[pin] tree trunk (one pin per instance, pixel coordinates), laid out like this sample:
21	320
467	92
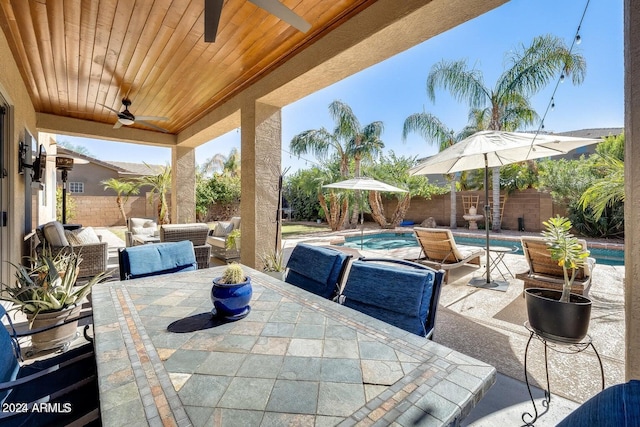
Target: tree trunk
452	219
377	209
495	224
401	210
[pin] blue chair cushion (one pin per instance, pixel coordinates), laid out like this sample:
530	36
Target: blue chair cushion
616	406
8	357
315	269
399	296
158	258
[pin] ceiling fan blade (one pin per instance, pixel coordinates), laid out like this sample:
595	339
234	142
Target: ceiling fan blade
118	125
151	125
276	8
109	108
154	118
212	11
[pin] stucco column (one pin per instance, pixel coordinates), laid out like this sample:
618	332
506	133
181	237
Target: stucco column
183	185
261	164
632	186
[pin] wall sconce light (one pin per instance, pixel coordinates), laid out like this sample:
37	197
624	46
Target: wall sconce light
37	167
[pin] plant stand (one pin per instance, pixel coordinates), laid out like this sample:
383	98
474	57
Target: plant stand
560	348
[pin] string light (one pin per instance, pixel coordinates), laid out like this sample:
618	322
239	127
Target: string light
552	103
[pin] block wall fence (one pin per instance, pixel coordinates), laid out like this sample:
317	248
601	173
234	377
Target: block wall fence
531	205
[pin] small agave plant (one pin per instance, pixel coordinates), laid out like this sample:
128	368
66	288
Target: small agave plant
49	285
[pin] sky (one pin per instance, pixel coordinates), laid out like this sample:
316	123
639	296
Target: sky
396	88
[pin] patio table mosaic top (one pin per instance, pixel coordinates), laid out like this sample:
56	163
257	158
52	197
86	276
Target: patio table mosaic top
296	359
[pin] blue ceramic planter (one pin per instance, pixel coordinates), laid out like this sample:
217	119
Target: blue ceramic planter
231	301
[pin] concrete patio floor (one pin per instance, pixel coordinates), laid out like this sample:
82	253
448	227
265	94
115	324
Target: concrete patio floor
488	325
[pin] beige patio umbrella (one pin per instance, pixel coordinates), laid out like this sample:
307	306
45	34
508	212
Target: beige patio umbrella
367	184
491	149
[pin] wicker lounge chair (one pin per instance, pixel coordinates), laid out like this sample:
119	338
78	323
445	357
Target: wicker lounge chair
544	272
197	233
441	251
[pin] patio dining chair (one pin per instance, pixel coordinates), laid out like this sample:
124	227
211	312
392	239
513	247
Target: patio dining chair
441	251
159	258
63	389
402	293
316	269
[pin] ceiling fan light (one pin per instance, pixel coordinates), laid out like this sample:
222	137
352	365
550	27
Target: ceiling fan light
125	121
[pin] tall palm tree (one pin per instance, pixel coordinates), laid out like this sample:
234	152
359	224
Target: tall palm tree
160	184
349	141
434	131
506	106
226	165
123	190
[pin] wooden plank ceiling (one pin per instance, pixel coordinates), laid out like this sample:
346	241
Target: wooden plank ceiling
77	54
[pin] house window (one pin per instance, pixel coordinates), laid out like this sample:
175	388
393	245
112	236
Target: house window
76	187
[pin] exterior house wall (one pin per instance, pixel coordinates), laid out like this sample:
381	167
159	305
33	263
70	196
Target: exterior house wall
21	119
91	175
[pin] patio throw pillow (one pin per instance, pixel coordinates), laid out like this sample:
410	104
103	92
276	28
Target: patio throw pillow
82	236
222	229
54	233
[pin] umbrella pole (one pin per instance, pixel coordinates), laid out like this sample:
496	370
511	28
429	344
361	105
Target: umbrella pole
487	208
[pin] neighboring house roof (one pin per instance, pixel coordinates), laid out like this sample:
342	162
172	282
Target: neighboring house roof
139	168
123	168
592	133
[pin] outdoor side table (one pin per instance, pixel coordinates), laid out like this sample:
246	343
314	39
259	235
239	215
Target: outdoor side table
560	348
497	254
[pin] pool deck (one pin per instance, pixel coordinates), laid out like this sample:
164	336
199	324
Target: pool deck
489	325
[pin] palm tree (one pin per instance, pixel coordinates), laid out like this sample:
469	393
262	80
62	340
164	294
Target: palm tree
507	106
123	189
349	141
160	184
226	165
434	131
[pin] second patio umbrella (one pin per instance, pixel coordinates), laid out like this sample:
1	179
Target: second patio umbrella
496	148
364	183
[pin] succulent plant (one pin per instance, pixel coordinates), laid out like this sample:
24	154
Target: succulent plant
233	274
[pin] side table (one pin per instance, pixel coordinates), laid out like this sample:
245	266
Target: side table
560	348
497	254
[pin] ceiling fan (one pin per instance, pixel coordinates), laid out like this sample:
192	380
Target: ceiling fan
213	9
126	118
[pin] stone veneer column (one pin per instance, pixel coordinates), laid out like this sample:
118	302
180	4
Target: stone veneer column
632	186
183	185
261	141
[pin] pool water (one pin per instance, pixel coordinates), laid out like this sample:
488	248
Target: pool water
382	241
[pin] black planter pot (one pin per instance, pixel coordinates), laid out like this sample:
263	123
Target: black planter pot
558	321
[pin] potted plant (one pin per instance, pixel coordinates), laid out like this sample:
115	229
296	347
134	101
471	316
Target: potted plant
560	315
47	294
233	239
231	294
273	264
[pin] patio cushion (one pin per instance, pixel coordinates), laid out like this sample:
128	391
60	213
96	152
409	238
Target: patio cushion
222	228
315	269
160	258
398	296
54	233
82	236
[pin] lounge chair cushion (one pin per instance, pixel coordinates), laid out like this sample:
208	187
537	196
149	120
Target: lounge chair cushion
54	233
398	296
159	258
315	269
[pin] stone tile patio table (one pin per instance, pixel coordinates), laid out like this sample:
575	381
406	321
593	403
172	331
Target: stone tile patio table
296	359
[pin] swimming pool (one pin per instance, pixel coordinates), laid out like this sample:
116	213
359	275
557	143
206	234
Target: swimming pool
389	240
